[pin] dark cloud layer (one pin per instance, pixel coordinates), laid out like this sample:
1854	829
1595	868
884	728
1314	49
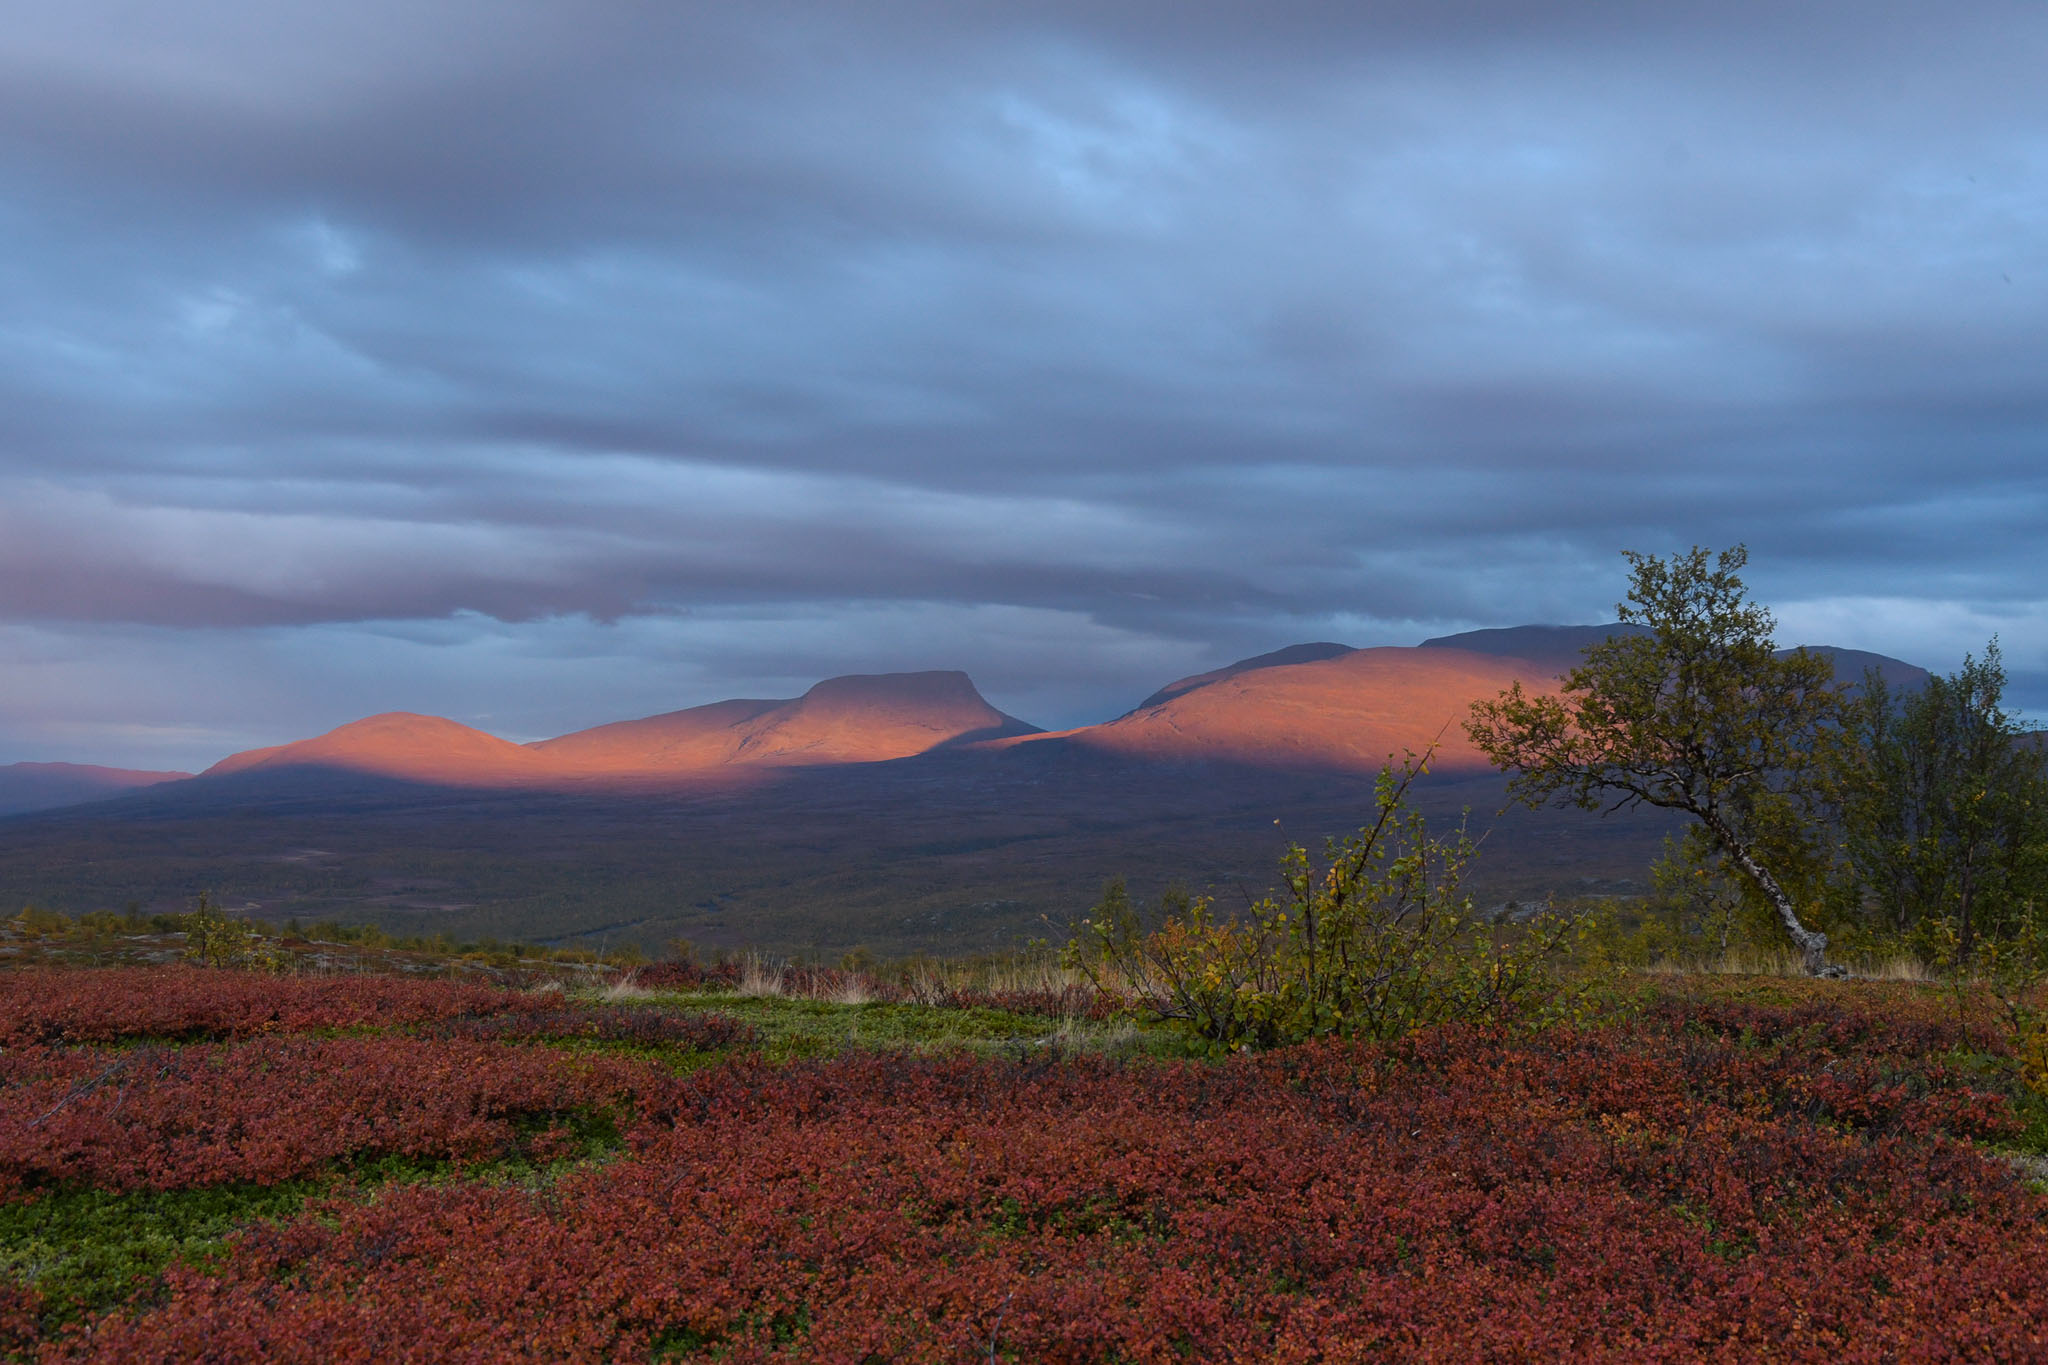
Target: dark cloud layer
541	363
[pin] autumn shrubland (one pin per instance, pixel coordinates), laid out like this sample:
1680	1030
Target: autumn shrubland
234	1163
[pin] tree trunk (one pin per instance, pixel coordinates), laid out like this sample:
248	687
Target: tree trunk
1812	944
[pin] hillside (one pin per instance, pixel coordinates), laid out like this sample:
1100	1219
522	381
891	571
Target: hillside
398	745
44	786
1348	713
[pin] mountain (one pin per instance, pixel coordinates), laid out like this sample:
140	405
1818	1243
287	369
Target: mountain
1279	658
1558	648
1850	665
1344	713
397	745
861	718
44	786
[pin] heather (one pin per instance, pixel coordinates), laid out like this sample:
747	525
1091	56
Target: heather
1709	1169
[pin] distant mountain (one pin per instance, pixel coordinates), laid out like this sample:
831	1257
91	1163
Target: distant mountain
398	745
1279	658
854	719
46	786
1559	648
1341	713
1562	648
861	718
1850	665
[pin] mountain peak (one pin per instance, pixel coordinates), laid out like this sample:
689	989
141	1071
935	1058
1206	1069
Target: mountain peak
855	718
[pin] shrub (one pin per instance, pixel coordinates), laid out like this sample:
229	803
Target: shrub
106	1004
216	939
1374	942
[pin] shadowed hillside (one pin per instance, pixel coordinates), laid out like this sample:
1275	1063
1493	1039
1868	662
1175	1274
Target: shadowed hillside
43	786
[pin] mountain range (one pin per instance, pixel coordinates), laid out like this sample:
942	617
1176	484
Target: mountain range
898	810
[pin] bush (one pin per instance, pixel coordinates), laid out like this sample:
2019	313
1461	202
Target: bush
1375	942
216	939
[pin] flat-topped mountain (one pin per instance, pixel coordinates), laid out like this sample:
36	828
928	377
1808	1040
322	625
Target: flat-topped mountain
44	786
861	718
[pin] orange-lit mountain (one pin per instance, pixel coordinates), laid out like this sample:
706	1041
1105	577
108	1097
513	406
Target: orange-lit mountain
44	786
862	718
856	719
1347	713
1293	654
401	745
1324	707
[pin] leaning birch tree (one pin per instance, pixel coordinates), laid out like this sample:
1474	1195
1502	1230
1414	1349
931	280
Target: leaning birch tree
1699	714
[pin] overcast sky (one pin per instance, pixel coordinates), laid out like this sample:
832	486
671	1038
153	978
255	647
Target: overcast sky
543	364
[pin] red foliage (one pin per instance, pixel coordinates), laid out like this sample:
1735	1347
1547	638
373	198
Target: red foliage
1640	1193
19	1308
100	1005
685	976
272	1109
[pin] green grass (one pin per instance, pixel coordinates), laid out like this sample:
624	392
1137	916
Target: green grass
794	1027
89	1250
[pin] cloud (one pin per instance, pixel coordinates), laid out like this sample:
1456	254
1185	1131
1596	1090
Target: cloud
1190	328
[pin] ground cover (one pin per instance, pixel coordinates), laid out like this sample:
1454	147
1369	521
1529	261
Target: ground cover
1719	1169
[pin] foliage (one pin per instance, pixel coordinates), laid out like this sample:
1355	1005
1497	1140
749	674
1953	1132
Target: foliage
106	1004
1711	1180
89	1248
1700	714
1375	941
216	939
271	1109
1943	806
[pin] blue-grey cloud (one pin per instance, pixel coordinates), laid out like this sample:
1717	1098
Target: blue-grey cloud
648	353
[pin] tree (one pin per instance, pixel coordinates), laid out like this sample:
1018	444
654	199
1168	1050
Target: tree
1700	714
1943	804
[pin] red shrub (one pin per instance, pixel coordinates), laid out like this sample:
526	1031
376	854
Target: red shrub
98	1005
19	1308
1627	1194
273	1109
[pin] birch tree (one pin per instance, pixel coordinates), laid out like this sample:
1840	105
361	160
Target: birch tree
1701	714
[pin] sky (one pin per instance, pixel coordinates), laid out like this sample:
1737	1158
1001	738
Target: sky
543	364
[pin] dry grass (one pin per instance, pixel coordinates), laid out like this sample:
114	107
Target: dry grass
1897	969
625	988
1748	961
759	977
852	991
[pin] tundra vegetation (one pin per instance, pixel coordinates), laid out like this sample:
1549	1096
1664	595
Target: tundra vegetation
1353	1120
